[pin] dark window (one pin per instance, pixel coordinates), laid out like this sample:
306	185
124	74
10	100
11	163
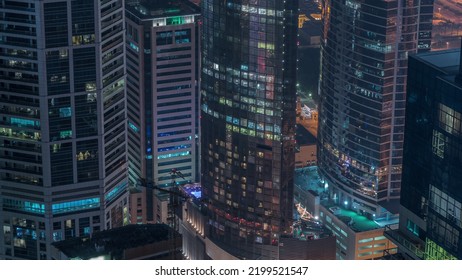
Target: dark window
84	69
164	38
61	169
55	15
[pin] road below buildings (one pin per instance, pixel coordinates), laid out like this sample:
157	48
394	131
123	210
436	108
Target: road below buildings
450	10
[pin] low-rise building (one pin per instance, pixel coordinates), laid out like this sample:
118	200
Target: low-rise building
305	153
357	236
131	242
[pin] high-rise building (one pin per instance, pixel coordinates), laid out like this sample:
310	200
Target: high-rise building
364	50
163	100
248	124
63	121
431	198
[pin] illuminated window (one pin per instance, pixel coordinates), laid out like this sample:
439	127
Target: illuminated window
76	205
364	254
365	247
20	122
83	39
115	191
27	206
438	143
365	240
134	47
65	112
449	119
65	134
445	205
435	252
63	53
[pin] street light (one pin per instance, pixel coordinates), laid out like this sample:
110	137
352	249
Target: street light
447	45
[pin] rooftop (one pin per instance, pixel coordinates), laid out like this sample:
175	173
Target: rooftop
447	60
304	137
114	241
193	190
349	217
310	230
307	178
146	9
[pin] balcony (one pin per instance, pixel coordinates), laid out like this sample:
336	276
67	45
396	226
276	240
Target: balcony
413	247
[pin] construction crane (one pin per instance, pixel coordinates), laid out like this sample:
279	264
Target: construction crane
175	201
175	195
174	205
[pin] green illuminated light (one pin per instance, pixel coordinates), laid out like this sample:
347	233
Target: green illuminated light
435	252
175	20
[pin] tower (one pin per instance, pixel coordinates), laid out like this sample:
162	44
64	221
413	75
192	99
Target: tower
431	199
364	50
163	99
248	123
63	122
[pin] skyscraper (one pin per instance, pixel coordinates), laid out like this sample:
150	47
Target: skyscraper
63	122
163	98
364	50
431	198
248	123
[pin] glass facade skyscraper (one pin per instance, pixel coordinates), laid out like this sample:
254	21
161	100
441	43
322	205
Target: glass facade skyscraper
364	50
63	122
248	123
431	198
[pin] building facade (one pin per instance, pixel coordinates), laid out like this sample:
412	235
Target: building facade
364	50
356	237
63	121
248	123
163	99
431	213
305	149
